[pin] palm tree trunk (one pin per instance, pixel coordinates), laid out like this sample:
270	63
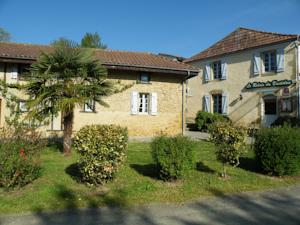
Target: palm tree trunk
68	128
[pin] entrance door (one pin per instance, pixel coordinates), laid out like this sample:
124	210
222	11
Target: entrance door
270	110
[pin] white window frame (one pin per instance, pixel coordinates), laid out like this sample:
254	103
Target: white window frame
269	54
89	106
143	103
22	106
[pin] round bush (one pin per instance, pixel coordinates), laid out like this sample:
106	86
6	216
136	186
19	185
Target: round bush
205	119
278	150
19	163
102	150
173	155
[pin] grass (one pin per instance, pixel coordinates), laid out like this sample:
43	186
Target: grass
136	183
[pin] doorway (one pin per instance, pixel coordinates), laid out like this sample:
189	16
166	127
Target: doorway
270	110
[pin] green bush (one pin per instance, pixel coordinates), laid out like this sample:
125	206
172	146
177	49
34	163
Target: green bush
19	157
288	120
229	141
278	150
173	155
205	119
102	150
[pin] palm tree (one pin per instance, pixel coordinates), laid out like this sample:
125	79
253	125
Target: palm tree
59	81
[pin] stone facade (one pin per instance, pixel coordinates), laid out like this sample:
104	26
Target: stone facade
168	119
245	106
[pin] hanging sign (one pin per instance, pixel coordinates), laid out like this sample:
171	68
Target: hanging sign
273	83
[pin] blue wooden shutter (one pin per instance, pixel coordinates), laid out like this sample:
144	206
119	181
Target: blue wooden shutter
280	59
207	72
207	103
256	64
224	70
224	103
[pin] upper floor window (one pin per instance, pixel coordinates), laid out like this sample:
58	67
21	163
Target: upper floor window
217	70
269	60
89	106
143	103
145	78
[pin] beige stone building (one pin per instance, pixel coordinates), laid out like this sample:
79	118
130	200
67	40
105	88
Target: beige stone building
155	103
251	76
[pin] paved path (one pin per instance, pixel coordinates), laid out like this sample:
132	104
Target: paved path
277	207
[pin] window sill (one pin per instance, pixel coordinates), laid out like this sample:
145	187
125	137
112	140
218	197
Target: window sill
141	82
88	111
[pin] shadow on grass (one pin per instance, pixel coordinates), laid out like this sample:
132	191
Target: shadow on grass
148	170
249	164
55	144
204	168
74	171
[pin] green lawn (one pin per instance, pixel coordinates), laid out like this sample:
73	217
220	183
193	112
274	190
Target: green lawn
136	182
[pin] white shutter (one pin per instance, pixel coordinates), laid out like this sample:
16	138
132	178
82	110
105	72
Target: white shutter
224	70
153	104
280	59
224	103
256	64
134	103
207	103
14	72
207	72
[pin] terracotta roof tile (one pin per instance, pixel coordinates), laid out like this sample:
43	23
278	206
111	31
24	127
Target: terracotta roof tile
241	39
107	57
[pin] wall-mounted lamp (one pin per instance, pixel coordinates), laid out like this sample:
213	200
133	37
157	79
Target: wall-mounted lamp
241	97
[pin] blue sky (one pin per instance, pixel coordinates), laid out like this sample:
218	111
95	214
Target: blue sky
177	27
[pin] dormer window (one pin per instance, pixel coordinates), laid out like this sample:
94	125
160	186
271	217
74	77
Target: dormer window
217	70
144	78
269	59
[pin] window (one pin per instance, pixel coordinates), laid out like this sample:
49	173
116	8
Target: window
144	78
217	70
23	68
89	106
22	106
271	106
269	59
286	104
143	103
217	103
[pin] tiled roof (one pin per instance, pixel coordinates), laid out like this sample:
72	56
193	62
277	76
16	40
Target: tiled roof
107	57
241	39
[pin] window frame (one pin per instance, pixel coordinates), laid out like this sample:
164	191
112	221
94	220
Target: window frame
291	105
271	61
217	72
87	108
22	107
144	81
143	103
218	104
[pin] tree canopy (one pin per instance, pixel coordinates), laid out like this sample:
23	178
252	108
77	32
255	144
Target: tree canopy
4	35
90	40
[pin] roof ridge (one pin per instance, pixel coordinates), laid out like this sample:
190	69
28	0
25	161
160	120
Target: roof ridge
267	32
24	44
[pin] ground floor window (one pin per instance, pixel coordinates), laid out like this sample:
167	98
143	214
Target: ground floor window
217	103
286	105
270	106
143	103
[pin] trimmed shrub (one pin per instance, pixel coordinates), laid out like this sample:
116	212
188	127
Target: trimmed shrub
173	155
205	119
288	120
102	150
278	150
229	141
19	157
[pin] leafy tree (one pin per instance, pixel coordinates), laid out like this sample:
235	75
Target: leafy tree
4	35
92	41
62	79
